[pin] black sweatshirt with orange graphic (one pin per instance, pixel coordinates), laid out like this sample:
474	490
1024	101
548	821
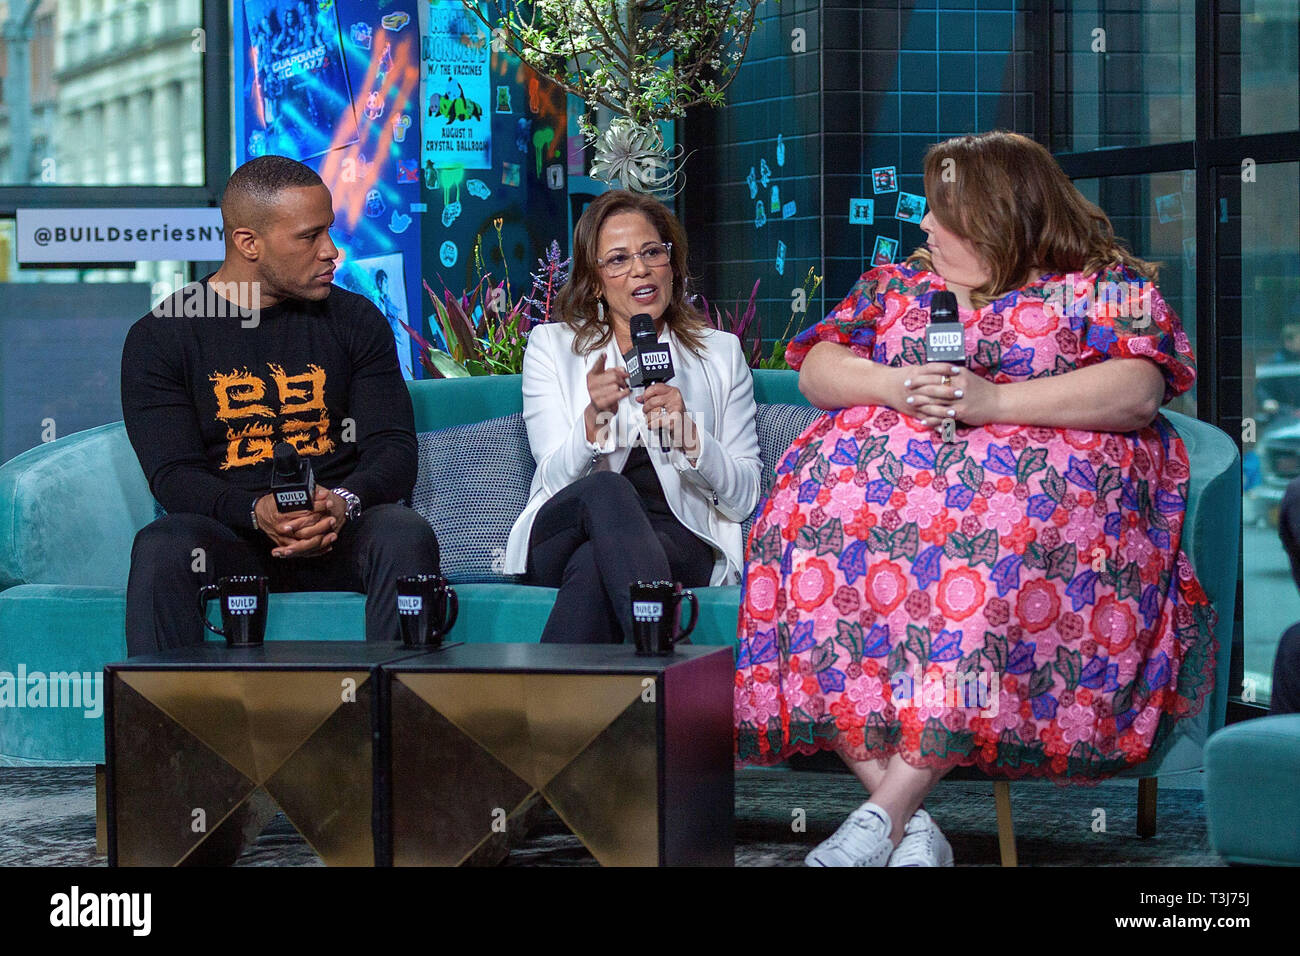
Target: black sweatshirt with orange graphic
206	397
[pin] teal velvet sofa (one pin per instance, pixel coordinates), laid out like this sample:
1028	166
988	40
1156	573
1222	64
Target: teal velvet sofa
69	511
1252	803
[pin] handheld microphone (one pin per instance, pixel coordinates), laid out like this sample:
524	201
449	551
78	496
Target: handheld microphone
945	339
292	480
649	361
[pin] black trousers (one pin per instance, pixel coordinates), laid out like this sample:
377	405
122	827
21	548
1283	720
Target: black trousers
1286	674
384	543
594	540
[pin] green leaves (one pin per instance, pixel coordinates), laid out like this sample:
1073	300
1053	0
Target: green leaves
767	549
988	354
891	469
1061	562
1032	459
828	539
1040	682
850	636
1069	664
995	650
1053	484
913	351
905	542
807	454
871	449
984	548
1108	480
972	474
950	453
918	643
644	59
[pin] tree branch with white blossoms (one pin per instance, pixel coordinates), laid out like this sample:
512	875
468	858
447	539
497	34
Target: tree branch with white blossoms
647	60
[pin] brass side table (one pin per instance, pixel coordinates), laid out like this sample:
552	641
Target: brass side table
635	754
203	744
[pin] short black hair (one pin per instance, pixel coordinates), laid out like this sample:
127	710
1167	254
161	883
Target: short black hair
254	186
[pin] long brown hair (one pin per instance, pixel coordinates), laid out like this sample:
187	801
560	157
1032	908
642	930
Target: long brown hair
576	302
1005	195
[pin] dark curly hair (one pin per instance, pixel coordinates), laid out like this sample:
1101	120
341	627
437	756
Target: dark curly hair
576	303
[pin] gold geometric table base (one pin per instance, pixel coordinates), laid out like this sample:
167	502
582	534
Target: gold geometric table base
201	759
637	765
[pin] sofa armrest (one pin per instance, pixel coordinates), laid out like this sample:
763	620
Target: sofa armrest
69	510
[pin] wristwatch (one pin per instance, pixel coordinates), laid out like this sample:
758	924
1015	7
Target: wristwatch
354	503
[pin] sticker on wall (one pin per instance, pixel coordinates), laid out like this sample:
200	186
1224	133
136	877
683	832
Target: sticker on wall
884	252
541	139
776	198
1189	253
450	213
752	181
1189	180
862	212
760	215
395	21
523	129
884	179
780	150
764	173
418	207
398	223
788	210
361	35
911	208
374	107
401	123
408	171
375	206
448	254
555	176
1169	208
780	258
503	100
478	189
510	174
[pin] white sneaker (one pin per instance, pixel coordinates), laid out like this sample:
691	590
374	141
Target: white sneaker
861	840
923	844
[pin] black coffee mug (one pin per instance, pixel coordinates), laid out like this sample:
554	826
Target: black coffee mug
243	608
426	609
656	616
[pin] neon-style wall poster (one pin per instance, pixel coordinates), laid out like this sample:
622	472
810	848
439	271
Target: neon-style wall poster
456	59
335	84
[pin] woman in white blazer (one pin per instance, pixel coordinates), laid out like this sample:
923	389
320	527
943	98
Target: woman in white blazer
631	484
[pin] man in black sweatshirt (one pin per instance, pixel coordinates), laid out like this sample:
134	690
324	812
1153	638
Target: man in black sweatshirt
266	350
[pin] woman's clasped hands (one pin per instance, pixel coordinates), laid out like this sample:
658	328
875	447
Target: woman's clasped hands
938	390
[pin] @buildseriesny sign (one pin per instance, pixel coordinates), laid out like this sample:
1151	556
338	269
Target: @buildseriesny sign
119	235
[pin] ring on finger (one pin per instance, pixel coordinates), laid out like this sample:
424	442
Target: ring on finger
945	380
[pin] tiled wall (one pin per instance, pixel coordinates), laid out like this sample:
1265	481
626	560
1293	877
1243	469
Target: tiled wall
865	94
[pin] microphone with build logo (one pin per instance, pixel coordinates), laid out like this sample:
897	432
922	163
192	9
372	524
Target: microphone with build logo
292	480
945	340
648	361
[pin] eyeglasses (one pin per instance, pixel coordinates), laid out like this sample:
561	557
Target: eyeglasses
654	255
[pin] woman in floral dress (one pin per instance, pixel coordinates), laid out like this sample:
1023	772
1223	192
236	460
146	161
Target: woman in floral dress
979	564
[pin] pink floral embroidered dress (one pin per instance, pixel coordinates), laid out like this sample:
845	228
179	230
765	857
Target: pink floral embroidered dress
1016	598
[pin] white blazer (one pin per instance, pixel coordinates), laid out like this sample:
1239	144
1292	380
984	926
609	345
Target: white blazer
711	499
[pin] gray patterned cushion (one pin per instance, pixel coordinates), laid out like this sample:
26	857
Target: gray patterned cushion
472	484
777	426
